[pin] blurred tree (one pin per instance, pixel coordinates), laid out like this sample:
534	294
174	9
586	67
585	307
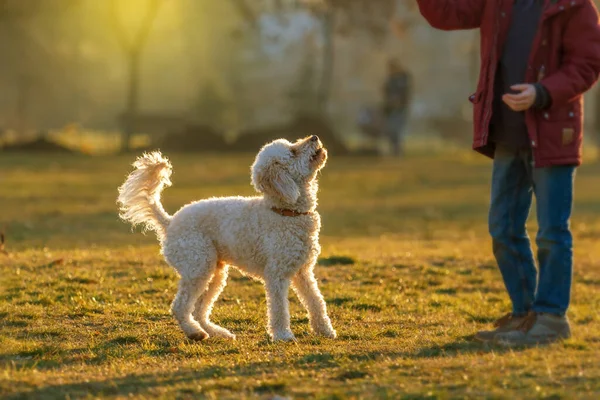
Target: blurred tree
133	44
246	10
25	29
342	17
210	106
219	96
303	94
12	10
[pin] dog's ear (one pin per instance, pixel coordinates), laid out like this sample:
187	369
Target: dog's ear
274	180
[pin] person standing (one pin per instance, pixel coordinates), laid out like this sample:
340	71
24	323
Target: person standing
538	59
396	104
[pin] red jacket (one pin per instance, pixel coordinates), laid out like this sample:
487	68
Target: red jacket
565	59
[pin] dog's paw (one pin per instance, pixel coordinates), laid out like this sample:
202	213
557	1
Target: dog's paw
217	331
198	336
324	328
328	333
226	335
284	337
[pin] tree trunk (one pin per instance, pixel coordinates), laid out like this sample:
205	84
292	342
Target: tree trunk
133	48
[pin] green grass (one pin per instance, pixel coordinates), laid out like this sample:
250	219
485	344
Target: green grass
406	270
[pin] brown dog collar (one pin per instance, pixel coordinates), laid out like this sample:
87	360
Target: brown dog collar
288	213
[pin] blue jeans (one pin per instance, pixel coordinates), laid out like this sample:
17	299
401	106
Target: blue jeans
394	130
514	182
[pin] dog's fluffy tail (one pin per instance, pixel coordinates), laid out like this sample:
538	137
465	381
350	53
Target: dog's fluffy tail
139	197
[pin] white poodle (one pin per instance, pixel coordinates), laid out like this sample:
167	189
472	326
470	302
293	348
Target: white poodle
273	238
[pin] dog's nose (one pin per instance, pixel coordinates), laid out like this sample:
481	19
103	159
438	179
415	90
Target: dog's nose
314	138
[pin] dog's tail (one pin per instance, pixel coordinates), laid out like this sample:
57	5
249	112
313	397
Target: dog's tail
139	197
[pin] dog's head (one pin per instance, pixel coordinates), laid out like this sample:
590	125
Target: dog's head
282	169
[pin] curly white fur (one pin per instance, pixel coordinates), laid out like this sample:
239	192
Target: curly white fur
204	238
139	196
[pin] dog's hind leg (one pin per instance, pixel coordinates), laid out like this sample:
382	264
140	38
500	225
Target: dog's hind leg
196	261
205	303
305	286
183	305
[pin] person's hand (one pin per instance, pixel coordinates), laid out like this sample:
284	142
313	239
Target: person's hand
523	100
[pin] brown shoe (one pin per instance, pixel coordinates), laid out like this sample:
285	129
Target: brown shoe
537	329
505	324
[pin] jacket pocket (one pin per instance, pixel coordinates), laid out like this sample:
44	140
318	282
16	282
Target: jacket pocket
567	113
560	139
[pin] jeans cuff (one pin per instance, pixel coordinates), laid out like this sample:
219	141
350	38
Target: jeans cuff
548	310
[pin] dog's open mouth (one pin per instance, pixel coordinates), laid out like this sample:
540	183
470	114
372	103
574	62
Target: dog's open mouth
317	154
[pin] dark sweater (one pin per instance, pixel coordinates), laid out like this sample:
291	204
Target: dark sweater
397	92
507	126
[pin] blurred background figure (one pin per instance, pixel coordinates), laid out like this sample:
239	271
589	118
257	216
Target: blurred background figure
396	105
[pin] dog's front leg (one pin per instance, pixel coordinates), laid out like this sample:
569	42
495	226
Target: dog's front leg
305	286
278	308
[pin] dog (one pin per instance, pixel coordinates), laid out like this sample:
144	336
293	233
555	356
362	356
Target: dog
273	237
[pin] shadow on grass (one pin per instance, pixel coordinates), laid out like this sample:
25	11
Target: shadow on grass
134	384
186	381
465	345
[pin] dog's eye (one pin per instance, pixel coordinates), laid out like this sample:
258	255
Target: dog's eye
294	152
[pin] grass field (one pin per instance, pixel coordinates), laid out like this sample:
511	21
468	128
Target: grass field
406	270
